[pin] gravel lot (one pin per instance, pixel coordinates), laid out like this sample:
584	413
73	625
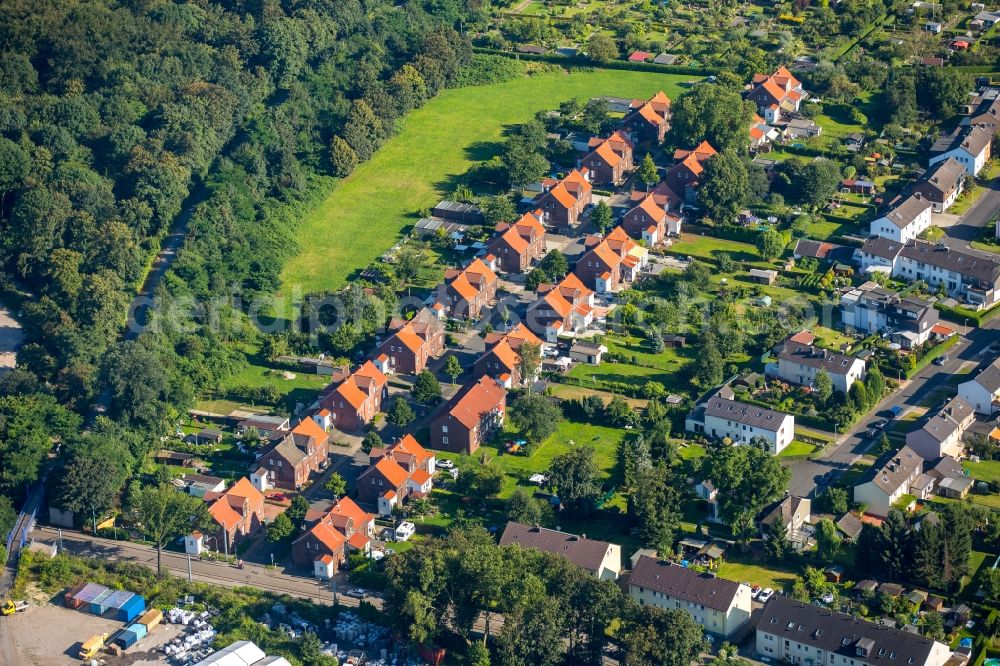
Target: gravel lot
50	635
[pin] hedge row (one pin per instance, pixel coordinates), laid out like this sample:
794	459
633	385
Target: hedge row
959	314
584	61
933	353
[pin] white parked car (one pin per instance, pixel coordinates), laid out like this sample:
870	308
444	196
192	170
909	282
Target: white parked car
444	464
405	530
765	595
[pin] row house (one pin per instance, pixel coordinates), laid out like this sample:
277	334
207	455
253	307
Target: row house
354	402
650	222
721	607
404	469
610	261
689	165
290	461
467	292
520	244
906	221
972	278
413	343
908	321
648	120
331	535
472	416
776	95
502	360
562	203
564	308
794	632
610	160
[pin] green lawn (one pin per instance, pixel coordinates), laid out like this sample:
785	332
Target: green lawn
635	375
797	449
984	470
836	121
420	165
709	247
518	468
757	574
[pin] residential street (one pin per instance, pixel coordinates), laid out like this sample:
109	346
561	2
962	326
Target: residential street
970	226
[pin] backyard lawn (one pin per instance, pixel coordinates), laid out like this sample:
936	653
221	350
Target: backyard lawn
984	470
797	449
518	468
420	165
634	375
709	247
756	574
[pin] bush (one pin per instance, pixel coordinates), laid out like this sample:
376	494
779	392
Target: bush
485	68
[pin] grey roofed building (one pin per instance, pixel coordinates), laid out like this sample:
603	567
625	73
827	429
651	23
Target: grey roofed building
816	357
850	525
981	268
943	176
458	212
666	59
989	377
783	510
905	213
878	246
943	430
822	250
685	584
842	634
894	469
589	554
750	415
970	138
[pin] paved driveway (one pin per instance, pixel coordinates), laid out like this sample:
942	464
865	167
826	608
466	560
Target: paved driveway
11	336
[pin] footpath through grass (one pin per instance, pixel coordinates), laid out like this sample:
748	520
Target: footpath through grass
365	213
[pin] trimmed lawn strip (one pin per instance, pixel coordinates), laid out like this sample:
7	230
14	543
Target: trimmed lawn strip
797	449
366	213
772	575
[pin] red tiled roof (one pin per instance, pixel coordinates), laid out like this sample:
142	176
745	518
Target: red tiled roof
328	536
473	401
392	471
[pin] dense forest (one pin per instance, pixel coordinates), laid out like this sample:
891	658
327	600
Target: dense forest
122	119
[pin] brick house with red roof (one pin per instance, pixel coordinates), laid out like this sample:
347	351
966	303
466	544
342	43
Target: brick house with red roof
237	512
414	343
354	526
685	175
518	245
609	261
561	309
501	360
776	94
663	195
467	292
648	221
649	120
290	460
354	402
562	202
396	472
610	160
471	417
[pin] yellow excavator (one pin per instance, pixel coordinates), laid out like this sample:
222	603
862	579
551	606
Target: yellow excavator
10	607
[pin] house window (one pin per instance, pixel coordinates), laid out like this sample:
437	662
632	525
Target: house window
444	428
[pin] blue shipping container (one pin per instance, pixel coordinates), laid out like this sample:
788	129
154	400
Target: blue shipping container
132	608
131	636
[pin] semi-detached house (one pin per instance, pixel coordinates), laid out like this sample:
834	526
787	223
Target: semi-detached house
413	343
353	403
470	418
888	480
942	183
720	416
907	320
722	607
520	244
983	391
906	221
600	558
941	434
610	160
971	145
467	293
564	308
502	358
799	364
395	473
563	202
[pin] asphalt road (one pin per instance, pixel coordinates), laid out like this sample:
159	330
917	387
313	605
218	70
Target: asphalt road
971	224
851	445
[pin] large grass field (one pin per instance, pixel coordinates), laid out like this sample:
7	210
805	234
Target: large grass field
365	213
